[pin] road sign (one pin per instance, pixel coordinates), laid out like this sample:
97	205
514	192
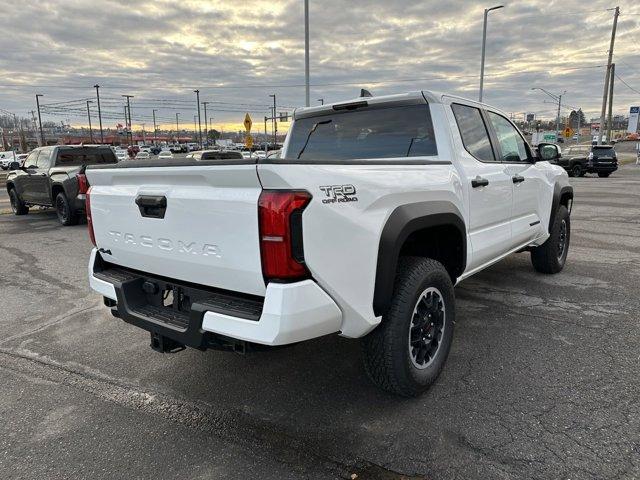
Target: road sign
248	141
568	132
247	122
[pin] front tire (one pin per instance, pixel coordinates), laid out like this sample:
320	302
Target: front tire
551	256
406	352
66	215
17	205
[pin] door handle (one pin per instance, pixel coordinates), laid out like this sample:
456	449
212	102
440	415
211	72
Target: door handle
517	179
479	182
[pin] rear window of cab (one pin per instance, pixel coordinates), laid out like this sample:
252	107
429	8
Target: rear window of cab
364	133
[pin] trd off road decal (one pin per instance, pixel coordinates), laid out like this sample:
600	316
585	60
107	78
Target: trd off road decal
339	193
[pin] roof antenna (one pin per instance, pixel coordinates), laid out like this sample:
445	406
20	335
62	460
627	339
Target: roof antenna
365	93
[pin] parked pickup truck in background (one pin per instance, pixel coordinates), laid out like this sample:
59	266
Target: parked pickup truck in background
581	159
54	177
375	210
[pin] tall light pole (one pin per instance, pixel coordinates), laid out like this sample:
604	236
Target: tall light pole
97	87
40	118
306	54
484	43
275	122
197	92
155	129
177	129
557	98
129	97
89	117
206	127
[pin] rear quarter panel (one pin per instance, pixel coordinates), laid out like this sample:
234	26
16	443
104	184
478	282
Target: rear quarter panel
341	239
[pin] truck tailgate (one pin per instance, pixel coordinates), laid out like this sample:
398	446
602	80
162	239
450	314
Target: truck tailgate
207	233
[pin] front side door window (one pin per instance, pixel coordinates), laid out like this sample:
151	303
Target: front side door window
512	145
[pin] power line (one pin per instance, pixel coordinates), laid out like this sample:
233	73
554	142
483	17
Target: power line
626	84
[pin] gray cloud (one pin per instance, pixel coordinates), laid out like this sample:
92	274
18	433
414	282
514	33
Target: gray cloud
165	49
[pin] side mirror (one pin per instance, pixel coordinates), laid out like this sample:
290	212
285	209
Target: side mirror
548	152
14	166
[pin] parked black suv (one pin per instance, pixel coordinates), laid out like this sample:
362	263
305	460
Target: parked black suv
54	177
580	159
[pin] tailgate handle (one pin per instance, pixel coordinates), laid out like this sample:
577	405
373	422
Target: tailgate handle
152	206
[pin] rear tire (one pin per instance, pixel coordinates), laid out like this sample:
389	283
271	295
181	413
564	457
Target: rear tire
17	205
406	352
576	170
66	215
603	174
551	256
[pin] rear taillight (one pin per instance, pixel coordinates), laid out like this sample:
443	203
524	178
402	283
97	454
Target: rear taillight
83	183
280	217
87	207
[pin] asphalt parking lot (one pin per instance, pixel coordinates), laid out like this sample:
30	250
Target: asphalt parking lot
543	379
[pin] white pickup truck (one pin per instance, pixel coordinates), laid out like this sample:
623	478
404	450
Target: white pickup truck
375	210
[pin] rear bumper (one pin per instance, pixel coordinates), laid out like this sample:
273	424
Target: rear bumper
289	313
601	168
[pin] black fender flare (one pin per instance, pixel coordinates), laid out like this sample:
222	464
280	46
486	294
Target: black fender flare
402	222
558	193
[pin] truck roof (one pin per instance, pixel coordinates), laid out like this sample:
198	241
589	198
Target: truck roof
416	96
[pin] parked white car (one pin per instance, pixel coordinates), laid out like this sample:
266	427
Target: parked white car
376	209
142	155
165	154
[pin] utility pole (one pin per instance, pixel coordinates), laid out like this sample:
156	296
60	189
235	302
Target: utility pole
38	95
274	121
206	127
126	123
610	119
266	141
177	129
558	117
608	74
197	92
89	117
129	97
306	55
484	43
211	125
195	127
97	87
144	140
155	129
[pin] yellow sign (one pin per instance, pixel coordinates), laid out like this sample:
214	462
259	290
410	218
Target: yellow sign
568	132
247	123
248	141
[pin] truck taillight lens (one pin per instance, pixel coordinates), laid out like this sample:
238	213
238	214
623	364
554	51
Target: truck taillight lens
87	208
83	183
280	218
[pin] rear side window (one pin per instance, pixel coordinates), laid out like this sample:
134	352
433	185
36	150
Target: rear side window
365	133
78	157
473	131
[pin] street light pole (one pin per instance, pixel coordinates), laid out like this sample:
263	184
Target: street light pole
306	54
97	87
177	129
40	118
197	92
89	117
155	129
321	100
206	127
129	97
484	43
557	98
275	122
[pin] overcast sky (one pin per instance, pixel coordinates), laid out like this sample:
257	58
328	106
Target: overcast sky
238	52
